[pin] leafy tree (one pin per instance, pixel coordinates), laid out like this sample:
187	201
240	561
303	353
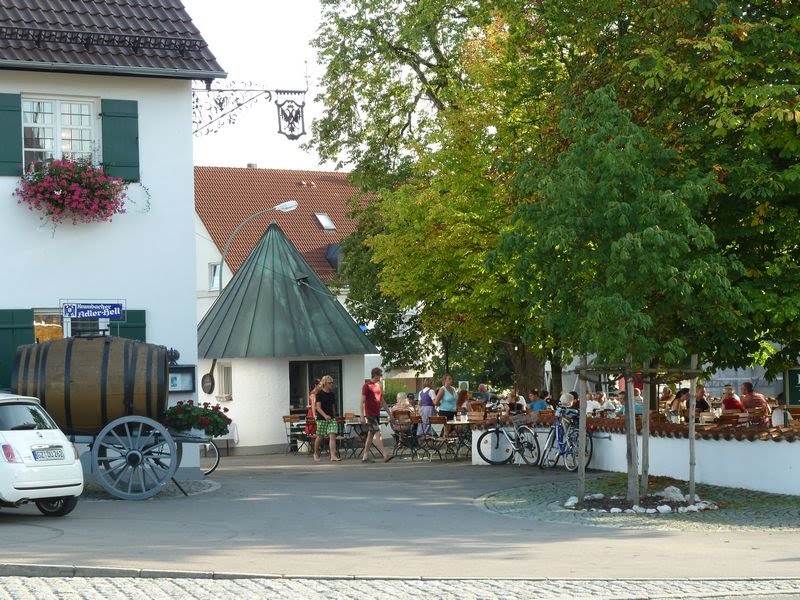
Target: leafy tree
615	232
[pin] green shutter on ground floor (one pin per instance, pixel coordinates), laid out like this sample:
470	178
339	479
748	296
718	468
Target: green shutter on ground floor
133	326
16	329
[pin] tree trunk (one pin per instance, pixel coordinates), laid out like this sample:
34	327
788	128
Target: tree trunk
528	370
632	452
692	410
556	369
646	435
581	440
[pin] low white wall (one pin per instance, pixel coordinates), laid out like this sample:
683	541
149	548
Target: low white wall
763	466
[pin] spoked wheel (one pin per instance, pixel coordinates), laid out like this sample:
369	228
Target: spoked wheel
134	457
494	447
209	461
528	445
57	507
550	451
572	454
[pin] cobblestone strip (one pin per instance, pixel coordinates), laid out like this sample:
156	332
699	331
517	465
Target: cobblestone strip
739	509
102	588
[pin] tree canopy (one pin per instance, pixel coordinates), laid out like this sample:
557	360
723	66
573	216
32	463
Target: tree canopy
616	177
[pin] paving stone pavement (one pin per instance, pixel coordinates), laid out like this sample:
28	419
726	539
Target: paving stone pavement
102	588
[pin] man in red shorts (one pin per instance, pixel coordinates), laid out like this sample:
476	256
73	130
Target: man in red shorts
371	403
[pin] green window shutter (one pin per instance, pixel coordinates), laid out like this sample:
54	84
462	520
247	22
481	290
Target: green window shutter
134	326
11	134
16	329
121	138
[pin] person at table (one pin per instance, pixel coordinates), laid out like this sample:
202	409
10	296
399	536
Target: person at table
326	418
462	402
535	403
730	401
606	403
401	403
701	400
665	399
515	406
752	399
780	416
592	405
446	397
678	404
410	402
426	407
482	393
371	403
638	403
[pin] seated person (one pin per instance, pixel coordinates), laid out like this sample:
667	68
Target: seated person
462	399
403	403
638	403
678	403
537	403
780	416
410	398
752	399
482	393
515	402
730	401
666	398
700	401
592	405
608	404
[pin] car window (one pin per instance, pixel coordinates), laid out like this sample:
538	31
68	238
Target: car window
15	417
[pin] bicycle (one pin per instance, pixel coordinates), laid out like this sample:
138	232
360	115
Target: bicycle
209	460
497	446
562	440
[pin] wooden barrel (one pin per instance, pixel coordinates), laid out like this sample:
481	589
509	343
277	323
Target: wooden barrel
87	382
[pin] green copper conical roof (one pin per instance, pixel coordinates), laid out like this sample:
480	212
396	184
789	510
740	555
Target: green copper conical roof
276	306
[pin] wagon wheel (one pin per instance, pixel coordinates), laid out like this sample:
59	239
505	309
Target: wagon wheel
134	457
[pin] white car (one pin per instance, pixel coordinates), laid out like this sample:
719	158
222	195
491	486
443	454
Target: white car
37	462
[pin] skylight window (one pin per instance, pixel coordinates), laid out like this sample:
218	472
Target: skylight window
325	221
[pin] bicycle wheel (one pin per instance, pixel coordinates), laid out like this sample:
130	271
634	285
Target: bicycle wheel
209	461
528	445
494	447
550	451
572	454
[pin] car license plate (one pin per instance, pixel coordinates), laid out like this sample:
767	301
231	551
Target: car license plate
50	454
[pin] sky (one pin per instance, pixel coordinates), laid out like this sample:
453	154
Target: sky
267	42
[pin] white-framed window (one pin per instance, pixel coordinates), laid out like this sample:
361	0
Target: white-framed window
59	128
213	276
225	377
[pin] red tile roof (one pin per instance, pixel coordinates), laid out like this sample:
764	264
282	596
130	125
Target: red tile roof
224	197
142	37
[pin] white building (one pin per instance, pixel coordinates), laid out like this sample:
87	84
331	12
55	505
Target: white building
109	82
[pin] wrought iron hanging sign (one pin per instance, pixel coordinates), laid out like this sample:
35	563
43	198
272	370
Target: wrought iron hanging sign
214	108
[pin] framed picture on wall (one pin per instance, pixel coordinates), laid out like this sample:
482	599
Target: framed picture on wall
182	378
463	385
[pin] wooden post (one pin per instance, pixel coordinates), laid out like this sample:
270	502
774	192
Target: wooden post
645	434
582	439
692	408
630	423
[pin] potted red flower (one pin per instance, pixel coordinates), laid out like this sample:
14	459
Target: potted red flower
71	190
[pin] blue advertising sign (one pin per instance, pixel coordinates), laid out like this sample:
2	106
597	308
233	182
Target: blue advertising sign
93	310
